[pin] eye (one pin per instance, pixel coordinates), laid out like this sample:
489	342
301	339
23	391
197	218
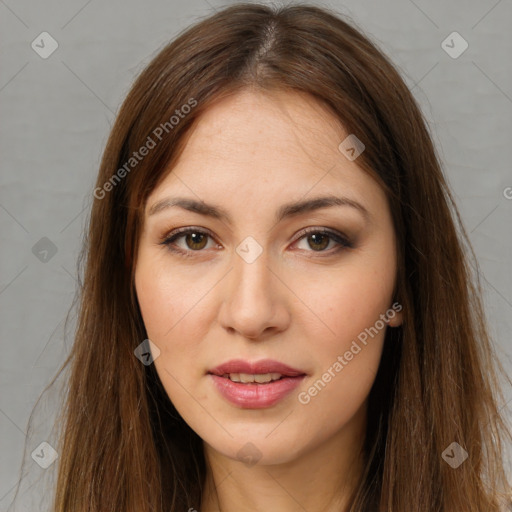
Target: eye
321	239
196	239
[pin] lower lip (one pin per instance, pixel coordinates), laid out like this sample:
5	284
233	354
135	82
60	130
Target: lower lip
255	396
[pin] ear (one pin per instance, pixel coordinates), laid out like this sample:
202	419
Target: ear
397	320
395	315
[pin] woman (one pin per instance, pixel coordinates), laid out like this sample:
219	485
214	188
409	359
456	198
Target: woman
276	276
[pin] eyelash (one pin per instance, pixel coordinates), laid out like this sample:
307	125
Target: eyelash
341	240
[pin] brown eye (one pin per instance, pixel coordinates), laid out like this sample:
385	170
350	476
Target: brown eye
196	240
188	240
318	241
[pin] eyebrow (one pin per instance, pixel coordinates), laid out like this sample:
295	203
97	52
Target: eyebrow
287	210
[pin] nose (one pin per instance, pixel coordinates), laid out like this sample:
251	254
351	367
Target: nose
256	302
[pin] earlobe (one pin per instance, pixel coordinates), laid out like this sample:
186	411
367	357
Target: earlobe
395	320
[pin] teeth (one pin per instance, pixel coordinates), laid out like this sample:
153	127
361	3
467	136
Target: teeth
267	377
246	378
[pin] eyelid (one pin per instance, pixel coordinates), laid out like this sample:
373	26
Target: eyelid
339	237
184	230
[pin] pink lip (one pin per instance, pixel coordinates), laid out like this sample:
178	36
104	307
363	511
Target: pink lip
254	395
263	366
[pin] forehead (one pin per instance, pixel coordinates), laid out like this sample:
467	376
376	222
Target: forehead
268	147
289	125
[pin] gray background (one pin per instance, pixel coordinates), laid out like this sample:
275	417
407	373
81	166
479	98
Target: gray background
56	114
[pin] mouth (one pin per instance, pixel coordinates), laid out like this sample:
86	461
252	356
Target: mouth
263	367
255	385
246	378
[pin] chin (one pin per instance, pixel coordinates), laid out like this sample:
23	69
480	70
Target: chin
259	449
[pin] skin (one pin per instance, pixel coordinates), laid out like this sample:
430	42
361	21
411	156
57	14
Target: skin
251	153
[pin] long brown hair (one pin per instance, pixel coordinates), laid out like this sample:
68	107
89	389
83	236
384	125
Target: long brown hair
123	446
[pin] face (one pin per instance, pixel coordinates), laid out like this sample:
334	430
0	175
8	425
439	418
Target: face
241	271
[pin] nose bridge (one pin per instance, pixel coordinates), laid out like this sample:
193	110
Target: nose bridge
252	286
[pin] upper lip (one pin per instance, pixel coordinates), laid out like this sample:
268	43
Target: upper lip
255	368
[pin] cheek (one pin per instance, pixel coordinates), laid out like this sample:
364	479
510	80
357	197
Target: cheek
168	300
170	319
349	308
157	307
350	302
346	362
176	315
